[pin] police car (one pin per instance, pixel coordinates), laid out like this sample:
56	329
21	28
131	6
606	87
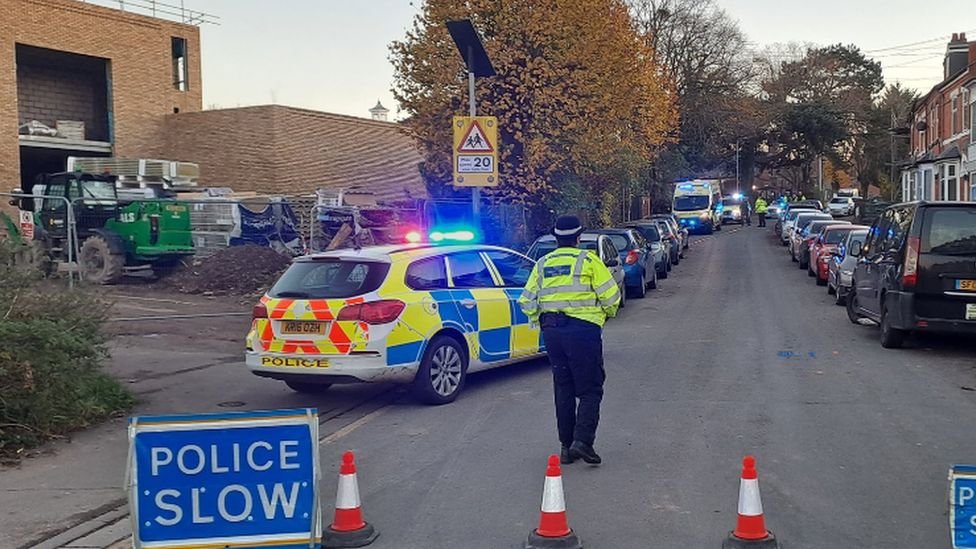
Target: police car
412	313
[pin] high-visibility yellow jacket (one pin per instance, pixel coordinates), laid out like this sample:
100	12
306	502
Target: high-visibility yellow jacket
574	282
761	206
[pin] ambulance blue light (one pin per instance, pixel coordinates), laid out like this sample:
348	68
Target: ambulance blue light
737	196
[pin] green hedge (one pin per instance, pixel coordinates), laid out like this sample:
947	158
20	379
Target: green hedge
51	350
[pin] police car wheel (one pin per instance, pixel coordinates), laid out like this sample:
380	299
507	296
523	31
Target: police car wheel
307	387
442	371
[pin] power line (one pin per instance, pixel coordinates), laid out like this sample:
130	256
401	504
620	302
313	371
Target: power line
923	42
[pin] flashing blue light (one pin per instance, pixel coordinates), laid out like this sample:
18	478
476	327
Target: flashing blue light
692	221
720	207
737	196
686	187
456	236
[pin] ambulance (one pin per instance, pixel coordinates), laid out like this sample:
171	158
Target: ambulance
697	205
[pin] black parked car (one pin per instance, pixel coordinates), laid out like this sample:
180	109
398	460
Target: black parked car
916	271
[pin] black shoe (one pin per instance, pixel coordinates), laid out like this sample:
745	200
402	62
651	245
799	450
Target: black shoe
581	450
565	456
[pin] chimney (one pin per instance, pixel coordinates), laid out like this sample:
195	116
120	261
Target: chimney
379	112
957	56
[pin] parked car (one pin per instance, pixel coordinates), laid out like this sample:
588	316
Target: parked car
824	246
840	268
841	206
660	247
732	210
680	229
668	234
637	257
796	236
599	243
809	237
789	218
916	271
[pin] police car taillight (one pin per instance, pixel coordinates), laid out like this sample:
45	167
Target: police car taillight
259	311
373	312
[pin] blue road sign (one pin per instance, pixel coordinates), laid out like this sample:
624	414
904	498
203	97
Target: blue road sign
962	505
246	479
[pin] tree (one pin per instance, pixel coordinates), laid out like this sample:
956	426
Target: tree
703	51
576	91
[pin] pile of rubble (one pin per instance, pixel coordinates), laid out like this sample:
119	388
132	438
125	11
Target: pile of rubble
237	270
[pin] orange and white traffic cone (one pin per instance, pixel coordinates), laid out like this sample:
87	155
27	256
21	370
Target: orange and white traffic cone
553	531
348	529
750	528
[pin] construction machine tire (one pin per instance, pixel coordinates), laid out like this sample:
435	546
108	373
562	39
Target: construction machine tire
97	262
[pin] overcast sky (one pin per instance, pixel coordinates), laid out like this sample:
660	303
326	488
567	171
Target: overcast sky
332	55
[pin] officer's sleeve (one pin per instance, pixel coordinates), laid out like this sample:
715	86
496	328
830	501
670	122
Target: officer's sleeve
529	300
605	287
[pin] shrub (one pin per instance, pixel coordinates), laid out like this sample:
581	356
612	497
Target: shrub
51	351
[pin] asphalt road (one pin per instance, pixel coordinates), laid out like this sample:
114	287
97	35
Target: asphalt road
739	352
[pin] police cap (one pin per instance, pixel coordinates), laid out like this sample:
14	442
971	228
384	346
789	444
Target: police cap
567	225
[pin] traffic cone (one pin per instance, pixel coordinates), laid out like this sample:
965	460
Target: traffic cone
348	529
553	531
750	528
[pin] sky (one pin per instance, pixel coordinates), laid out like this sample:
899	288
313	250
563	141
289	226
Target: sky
332	55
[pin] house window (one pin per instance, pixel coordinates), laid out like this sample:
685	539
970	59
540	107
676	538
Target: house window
968	113
950	182
955	115
180	66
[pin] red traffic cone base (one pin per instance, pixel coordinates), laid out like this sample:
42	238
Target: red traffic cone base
553	531
750	527
348	529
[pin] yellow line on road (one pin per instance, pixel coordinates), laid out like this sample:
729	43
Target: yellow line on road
348	429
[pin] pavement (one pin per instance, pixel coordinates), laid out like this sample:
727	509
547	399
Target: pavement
737	353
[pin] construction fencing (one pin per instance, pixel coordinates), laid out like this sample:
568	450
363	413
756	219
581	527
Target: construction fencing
19	228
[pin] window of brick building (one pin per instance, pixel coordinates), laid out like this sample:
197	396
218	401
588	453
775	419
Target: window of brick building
180	65
955	115
967	110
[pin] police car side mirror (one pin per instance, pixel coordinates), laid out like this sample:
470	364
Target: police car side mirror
612	262
855	250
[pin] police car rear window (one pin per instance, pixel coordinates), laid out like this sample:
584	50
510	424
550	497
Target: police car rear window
327	279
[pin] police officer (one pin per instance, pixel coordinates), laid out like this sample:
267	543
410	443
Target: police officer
761	209
571	293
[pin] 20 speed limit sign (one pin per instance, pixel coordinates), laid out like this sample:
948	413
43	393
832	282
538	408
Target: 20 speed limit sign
475	151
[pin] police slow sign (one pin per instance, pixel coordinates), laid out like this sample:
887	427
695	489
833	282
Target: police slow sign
245	479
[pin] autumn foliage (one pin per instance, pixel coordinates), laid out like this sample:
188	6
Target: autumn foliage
577	93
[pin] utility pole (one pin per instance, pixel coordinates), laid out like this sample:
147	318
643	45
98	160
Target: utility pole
738	187
820	175
473	111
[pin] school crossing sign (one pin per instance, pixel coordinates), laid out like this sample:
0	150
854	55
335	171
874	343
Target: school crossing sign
475	151
247	479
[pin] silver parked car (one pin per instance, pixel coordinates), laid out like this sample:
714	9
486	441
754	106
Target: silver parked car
841	206
840	268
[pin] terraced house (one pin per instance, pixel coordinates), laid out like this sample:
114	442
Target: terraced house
943	161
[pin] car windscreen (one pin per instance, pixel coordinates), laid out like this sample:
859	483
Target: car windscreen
328	278
621	242
949	231
804	221
541	248
835	236
650	232
839	201
690	202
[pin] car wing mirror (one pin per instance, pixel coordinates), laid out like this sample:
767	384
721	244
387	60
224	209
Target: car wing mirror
855	249
612	262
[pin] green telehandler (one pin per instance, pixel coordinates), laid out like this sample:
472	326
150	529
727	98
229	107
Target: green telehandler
115	236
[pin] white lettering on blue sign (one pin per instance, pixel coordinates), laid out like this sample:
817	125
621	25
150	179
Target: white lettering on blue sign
227	479
962	506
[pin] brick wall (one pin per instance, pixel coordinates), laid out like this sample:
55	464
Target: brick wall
49	94
275	149
138	50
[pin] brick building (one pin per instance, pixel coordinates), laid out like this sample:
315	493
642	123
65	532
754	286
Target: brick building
943	155
103	78
286	150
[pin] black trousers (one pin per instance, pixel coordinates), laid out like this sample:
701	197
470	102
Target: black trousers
575	349
762	220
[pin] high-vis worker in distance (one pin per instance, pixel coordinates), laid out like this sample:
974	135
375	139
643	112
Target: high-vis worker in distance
571	293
